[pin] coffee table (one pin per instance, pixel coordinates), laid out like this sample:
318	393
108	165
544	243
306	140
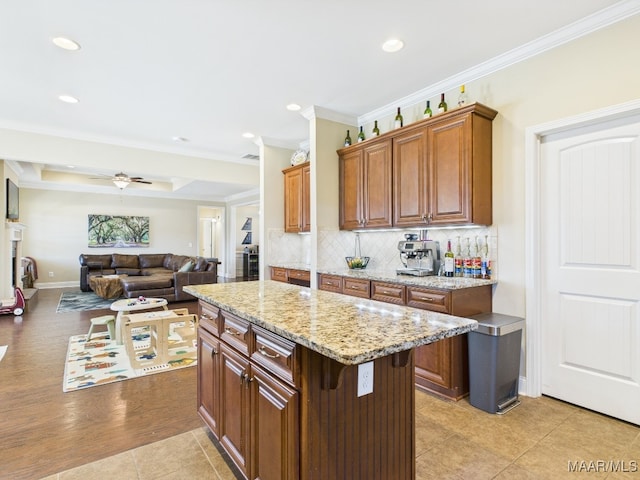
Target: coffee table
106	286
134	305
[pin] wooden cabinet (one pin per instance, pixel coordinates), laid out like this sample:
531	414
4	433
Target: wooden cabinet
291	275
441	173
297	210
410	178
366	186
208	392
248	381
459	158
441	367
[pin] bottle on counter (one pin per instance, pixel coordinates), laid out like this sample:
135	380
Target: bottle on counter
398	120
467	270
458	261
449	266
442	106
347	139
376	130
361	136
477	261
486	260
462	98
427	111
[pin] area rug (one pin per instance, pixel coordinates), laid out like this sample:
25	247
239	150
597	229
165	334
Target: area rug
78	301
102	361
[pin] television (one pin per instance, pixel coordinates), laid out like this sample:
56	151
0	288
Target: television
13	212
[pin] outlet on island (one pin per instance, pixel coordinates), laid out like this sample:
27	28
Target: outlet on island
365	378
50	274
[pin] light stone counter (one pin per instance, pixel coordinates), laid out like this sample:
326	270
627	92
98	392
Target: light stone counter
433	281
347	329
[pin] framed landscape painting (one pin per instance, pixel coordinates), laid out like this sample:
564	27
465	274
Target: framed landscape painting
113	231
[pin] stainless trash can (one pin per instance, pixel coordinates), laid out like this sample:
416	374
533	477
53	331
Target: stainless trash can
494	362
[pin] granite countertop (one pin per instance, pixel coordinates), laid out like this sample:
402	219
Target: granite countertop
347	329
433	281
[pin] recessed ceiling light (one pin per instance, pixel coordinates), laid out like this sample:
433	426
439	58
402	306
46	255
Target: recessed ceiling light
66	43
68	99
179	139
248	135
294	107
392	45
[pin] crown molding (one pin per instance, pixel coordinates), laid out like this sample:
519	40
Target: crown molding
596	21
316	111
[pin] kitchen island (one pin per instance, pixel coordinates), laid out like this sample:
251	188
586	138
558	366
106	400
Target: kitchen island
306	384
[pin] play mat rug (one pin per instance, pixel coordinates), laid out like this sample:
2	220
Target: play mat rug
103	361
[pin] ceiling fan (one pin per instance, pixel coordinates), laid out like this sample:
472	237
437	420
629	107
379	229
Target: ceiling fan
122	180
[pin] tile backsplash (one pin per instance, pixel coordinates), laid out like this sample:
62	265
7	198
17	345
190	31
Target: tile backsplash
380	246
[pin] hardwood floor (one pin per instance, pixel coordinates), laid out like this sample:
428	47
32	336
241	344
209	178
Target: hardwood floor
43	430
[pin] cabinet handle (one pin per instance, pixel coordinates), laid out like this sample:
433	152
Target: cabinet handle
230	331
243	377
328	283
206	317
264	352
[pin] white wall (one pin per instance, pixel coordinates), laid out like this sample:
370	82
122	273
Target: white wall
56	232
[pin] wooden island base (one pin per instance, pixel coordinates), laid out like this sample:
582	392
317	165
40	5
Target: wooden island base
343	436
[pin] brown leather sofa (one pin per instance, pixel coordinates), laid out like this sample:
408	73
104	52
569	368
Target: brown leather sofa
151	275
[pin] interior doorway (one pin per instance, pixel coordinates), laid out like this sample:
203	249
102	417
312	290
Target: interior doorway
211	233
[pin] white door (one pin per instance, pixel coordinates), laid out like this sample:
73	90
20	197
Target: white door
590	255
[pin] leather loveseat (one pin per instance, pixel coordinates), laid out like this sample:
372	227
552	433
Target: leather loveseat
151	275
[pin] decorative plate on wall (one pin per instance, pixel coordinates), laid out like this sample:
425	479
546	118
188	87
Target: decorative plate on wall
299	156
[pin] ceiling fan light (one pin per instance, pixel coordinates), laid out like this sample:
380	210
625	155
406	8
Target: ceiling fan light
121	184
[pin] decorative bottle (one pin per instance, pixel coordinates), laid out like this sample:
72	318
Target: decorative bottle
462	98
361	136
398	120
376	130
477	261
458	261
427	111
347	139
449	266
442	106
486	260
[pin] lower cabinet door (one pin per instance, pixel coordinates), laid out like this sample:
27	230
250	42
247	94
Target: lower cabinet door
234	425
274	428
208	372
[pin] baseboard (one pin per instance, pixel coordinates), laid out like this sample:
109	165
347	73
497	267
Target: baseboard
45	285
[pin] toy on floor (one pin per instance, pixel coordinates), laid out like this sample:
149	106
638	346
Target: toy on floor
17	308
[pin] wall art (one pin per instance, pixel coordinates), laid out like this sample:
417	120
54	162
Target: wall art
116	231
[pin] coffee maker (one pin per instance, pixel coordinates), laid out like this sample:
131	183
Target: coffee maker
419	255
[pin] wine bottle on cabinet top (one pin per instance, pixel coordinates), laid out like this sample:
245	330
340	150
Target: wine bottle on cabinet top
361	136
347	139
376	130
462	98
427	111
442	106
398	120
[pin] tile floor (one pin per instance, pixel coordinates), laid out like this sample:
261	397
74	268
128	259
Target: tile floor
540	439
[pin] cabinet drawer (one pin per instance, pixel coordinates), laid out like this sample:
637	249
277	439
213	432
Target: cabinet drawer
209	317
279	274
388	292
356	287
426	299
331	283
303	275
276	354
235	331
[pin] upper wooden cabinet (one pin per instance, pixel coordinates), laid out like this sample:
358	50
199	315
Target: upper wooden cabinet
441	172
365	186
297	210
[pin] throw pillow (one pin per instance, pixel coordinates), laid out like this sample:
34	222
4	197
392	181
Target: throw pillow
186	267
